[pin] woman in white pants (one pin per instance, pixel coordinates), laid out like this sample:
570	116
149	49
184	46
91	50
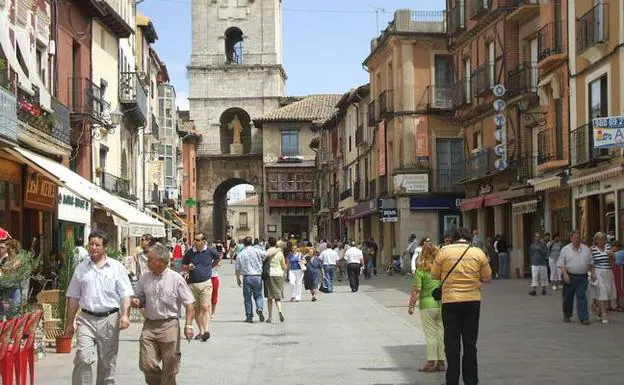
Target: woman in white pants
554	249
296	267
605	282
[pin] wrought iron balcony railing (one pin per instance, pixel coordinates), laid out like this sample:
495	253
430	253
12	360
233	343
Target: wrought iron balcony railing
481	79
372	113
456	18
86	99
550	41
522	79
461	92
548	148
582	151
447	178
116	185
592	27
440	97
479	8
133	96
386	103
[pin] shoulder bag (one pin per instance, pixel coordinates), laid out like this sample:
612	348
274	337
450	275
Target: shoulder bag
437	292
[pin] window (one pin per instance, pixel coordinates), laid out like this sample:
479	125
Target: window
350	146
491	63
103	155
290	143
533	63
598	103
449	163
243	221
467	72
41	66
169	165
443	70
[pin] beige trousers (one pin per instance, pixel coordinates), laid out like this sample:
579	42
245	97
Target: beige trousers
98	341
431	320
160	342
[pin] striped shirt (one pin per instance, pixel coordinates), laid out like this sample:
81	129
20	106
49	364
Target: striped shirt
601	257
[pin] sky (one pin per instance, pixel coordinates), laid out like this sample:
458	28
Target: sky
324	41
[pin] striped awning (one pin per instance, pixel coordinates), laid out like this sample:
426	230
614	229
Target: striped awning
527	207
546	183
596	176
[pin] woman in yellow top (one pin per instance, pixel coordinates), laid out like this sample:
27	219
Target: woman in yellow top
430	309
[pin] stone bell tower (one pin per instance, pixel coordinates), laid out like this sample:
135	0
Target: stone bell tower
235	74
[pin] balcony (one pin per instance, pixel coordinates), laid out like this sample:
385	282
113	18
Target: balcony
447	179
8	115
86	101
62	127
372	189
359	135
480	163
456	19
335	197
155	133
372	113
460	92
43	26
582	152
357	196
133	97
522	80
479	8
525	166
524	10
386	104
116	185
346	194
30	113
440	98
550	44
592	28
109	14
481	79
548	148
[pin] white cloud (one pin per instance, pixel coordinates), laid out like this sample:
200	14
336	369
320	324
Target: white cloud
182	100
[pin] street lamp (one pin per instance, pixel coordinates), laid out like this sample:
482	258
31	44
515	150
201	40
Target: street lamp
115	117
538	117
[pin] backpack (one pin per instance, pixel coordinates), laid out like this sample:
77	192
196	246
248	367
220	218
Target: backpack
266	267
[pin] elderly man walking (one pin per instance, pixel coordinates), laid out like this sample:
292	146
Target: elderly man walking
161	292
249	265
575	261
101	289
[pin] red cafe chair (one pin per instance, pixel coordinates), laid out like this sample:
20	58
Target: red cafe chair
5	333
25	357
8	361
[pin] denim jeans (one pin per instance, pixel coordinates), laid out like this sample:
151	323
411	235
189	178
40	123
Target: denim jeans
503	265
252	287
329	276
577	287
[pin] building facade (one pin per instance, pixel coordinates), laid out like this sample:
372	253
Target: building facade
243	218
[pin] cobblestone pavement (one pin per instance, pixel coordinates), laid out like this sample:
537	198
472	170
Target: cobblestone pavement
368	338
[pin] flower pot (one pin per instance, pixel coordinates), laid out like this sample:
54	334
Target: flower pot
63	344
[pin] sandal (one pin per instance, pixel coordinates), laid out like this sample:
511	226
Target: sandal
428	367
440	367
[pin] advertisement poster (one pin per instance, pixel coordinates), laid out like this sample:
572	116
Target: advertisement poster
609	132
421	134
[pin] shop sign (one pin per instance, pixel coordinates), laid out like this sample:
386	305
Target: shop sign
40	192
608	132
435	203
388	211
411	183
72	201
485	189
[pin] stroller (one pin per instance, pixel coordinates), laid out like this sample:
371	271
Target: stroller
396	266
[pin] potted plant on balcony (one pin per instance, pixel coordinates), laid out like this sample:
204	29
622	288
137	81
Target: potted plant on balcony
64	343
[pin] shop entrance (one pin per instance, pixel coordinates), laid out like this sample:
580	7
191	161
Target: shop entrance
296	226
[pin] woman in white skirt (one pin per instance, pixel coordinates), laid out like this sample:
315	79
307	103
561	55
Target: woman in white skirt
605	282
554	249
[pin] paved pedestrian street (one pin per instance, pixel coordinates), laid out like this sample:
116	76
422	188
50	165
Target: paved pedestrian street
368	338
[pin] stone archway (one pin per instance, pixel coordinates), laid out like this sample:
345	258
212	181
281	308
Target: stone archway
216	175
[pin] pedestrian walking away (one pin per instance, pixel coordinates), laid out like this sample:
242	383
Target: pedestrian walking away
100	287
249	266
575	261
554	250
274	281
462	268
199	262
539	262
329	257
161	292
355	262
430	310
296	266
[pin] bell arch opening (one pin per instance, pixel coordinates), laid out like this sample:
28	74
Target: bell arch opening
234	46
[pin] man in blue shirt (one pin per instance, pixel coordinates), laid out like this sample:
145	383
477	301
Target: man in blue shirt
198	262
249	265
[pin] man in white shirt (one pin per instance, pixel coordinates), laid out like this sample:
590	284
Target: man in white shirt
355	261
329	257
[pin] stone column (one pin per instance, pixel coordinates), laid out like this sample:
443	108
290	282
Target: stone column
499	220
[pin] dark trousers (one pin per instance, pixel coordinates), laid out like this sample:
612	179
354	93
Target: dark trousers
576	288
353	270
461	327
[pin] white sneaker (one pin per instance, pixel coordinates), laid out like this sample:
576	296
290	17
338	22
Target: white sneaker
604	321
554	287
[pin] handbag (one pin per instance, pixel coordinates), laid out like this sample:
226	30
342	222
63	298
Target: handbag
437	292
266	267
